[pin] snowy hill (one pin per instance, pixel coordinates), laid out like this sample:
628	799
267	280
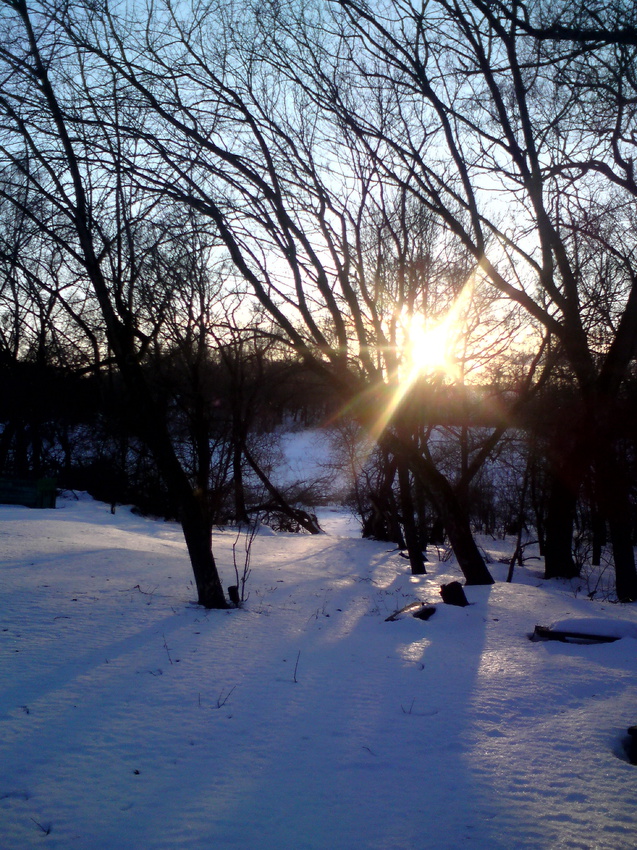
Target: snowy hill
131	718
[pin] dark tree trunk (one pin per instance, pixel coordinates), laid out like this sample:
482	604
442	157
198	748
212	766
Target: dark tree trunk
303	518
151	426
599	536
615	504
624	557
240	427
464	546
382	523
6	438
453	515
197	534
420	500
194	516
119	328
537	506
412	540
558	545
240	509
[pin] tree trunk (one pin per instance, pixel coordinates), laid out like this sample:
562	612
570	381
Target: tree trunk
414	549
152	428
464	546
382	523
453	515
240	509
537	506
624	557
599	536
120	333
615	504
558	546
197	534
239	432
6	438
420	501
303	518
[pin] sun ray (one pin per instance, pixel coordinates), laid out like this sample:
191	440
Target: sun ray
431	347
425	348
428	348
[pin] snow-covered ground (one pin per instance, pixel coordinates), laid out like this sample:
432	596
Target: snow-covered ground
131	718
305	454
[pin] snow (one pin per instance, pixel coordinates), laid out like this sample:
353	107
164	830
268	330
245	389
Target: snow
597	626
131	718
304	454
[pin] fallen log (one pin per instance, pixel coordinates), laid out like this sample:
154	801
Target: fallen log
416	609
546	633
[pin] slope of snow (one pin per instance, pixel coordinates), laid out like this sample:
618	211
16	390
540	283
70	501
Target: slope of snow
131	718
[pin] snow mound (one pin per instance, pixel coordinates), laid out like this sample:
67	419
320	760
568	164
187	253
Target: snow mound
597	626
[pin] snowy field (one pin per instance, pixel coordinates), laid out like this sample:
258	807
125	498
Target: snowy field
131	718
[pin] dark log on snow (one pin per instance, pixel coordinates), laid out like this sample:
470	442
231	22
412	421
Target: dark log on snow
425	612
545	633
416	609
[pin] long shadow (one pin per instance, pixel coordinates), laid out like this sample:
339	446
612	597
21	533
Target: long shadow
66	670
344	730
367	740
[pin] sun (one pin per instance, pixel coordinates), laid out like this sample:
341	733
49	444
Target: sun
425	351
428	349
431	345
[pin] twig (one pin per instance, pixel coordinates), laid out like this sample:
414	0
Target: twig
46	830
221	700
243	574
296	667
166	648
143	592
519	547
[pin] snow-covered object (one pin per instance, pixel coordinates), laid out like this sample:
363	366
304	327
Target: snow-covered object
597	626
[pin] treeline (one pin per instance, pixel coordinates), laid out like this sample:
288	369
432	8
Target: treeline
225	413
505	477
227	421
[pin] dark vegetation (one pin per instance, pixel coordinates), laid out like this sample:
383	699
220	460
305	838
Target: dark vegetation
81	430
78	429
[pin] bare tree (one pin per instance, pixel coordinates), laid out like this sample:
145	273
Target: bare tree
289	131
233	139
55	141
465	109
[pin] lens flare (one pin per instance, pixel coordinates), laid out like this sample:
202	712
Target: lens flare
428	350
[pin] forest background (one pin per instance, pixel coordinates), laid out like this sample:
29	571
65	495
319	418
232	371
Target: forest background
412	222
